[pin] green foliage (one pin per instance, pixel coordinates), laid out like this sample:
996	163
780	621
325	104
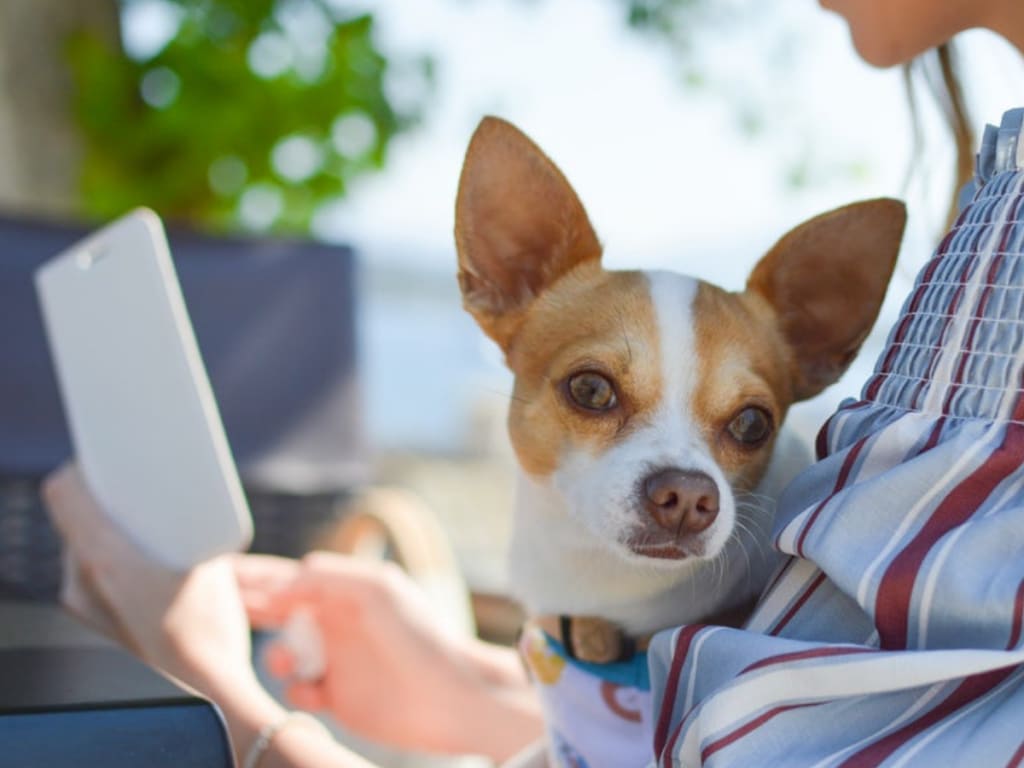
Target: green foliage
255	113
675	20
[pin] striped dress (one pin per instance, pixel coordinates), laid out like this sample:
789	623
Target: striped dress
892	635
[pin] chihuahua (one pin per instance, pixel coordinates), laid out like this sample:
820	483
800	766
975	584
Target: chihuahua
645	418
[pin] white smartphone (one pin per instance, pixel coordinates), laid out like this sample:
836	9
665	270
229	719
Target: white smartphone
143	420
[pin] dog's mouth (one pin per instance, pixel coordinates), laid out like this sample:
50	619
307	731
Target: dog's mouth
655	547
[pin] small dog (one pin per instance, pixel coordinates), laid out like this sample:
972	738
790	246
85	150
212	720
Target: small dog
645	411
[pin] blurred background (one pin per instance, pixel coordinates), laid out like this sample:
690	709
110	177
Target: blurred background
696	132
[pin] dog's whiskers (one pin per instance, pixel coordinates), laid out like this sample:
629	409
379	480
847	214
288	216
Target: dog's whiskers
719	567
741	528
758	499
505	395
757	536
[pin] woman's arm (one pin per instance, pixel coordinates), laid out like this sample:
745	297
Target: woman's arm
192	626
392	675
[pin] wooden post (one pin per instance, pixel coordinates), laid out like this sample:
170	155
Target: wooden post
40	150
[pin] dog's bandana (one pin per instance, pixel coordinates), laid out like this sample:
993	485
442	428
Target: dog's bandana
597	715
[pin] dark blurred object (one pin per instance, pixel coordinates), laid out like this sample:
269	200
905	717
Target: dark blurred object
71	699
275	322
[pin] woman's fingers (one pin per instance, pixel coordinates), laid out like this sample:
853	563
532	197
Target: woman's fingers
90	538
271	608
79	596
279	661
264	571
84	526
62	492
273	587
308	696
263	583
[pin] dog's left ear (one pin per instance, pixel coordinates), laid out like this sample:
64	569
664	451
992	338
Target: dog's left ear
826	280
518	228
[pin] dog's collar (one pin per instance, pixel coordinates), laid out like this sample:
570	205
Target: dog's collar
599	641
591	638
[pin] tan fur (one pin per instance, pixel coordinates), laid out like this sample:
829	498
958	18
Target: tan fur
589	320
744	361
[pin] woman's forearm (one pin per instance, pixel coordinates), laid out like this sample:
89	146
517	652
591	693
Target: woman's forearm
499	713
491	711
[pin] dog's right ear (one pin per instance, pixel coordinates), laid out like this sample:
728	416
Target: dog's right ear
518	228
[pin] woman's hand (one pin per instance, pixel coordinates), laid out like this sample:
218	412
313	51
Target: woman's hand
190	625
393	673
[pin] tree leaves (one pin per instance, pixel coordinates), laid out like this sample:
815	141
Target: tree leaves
204	130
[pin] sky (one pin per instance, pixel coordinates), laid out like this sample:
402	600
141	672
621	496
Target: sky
662	169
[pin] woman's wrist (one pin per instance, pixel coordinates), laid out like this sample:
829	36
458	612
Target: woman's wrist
268	743
247	721
288	741
499	710
247	709
302	742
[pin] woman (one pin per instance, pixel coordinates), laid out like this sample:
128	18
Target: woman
907	540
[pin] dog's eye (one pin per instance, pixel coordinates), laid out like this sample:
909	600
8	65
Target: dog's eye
751	426
591	391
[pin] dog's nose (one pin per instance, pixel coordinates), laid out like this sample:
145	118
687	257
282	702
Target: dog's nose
681	501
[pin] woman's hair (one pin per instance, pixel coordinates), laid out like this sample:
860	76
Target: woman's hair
940	71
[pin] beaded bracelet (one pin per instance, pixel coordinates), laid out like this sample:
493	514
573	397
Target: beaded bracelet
267	733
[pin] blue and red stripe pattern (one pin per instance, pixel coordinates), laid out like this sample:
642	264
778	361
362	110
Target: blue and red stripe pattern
893	634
